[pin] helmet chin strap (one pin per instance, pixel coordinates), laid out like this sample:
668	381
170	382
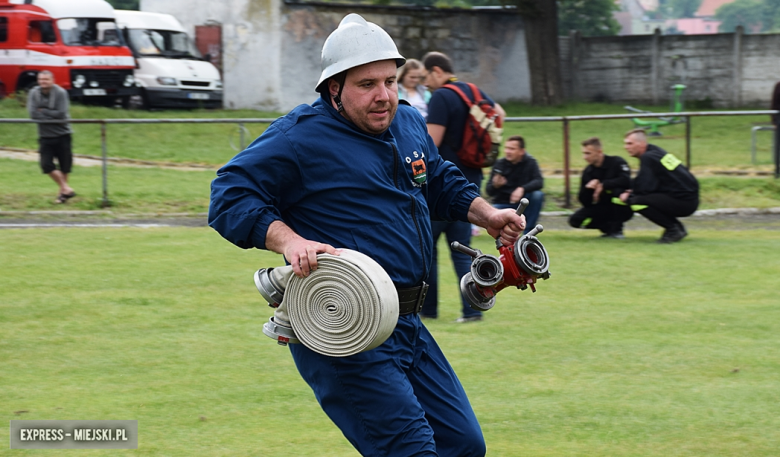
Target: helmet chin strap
341	78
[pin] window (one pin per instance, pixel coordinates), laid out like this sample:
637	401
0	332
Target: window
3	29
89	32
162	43
41	32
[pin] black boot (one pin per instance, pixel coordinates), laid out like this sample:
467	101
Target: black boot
673	234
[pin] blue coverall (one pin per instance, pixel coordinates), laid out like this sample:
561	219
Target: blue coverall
333	183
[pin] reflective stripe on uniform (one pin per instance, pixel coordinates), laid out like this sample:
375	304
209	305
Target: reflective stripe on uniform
586	222
636	208
670	161
618	201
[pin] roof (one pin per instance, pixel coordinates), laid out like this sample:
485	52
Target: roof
709	7
73	8
148	21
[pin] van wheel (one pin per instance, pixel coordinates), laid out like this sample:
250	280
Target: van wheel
135	102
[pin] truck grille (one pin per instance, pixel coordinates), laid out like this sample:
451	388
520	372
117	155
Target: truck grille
105	78
196	83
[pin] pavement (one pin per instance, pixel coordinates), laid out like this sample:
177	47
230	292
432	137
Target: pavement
724	218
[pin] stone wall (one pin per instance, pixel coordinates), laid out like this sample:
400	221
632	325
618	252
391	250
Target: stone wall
726	70
271	49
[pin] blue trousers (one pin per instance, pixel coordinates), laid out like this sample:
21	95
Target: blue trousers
455	231
400	399
535	202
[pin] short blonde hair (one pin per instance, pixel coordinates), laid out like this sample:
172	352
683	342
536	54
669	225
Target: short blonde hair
641	135
592	141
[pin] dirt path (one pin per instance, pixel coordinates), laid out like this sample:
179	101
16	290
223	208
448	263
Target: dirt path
93	161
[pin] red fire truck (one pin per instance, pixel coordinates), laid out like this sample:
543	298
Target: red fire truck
77	40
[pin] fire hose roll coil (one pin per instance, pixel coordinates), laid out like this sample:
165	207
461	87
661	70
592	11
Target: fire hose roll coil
348	305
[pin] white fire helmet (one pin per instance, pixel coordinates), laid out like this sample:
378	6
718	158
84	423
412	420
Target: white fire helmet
354	43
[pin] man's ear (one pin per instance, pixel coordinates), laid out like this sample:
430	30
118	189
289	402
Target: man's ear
333	87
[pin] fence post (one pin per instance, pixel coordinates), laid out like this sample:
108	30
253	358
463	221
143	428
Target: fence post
688	142
776	147
105	203
566	187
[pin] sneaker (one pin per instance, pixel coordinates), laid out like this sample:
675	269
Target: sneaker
616	235
463	320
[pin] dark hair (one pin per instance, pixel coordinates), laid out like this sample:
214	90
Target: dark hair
438	59
592	141
519	139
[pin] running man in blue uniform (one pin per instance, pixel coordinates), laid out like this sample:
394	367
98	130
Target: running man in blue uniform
357	170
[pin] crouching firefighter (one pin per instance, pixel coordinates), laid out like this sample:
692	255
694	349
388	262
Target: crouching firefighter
357	171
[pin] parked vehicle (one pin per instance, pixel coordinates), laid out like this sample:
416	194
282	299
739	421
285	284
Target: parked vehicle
170	70
77	40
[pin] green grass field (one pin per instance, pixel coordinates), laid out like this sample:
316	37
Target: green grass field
144	190
630	349
717	142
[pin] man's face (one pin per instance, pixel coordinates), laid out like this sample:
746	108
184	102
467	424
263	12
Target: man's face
513	152
592	155
45	81
433	79
634	146
370	95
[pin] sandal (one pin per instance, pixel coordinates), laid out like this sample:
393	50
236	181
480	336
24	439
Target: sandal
60	199
68	196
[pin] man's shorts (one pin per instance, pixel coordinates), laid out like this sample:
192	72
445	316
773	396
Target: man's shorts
59	148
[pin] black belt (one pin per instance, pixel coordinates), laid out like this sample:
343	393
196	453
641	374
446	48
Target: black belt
411	300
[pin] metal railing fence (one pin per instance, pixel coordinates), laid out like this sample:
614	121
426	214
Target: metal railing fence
565	120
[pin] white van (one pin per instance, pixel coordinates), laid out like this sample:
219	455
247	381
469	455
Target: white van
169	69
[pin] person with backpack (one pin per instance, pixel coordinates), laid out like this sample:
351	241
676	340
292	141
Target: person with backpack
448	118
514	177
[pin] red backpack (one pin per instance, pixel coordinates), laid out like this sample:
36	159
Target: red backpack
482	132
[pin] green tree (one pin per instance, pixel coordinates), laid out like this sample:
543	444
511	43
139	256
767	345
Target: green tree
590	17
747	13
125	4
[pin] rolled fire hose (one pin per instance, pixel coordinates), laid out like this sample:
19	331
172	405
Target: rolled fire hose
348	305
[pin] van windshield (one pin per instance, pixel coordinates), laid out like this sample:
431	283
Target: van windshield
162	43
89	32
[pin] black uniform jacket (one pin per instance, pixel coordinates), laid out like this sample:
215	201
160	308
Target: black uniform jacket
614	174
662	173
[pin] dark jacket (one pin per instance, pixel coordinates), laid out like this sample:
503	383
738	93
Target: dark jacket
614	174
663	173
333	183
525	174
775	105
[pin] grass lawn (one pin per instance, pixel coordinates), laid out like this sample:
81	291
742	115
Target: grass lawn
145	190
717	142
630	349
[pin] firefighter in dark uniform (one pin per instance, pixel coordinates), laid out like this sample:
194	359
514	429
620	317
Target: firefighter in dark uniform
663	190
604	179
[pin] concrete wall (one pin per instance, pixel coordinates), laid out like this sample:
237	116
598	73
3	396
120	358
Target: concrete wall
271	49
732	70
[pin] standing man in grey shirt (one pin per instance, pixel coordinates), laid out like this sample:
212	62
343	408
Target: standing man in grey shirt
49	101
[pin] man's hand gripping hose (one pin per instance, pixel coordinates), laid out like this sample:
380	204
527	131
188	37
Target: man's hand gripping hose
519	265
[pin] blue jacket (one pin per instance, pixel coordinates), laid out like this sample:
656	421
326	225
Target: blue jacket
332	183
